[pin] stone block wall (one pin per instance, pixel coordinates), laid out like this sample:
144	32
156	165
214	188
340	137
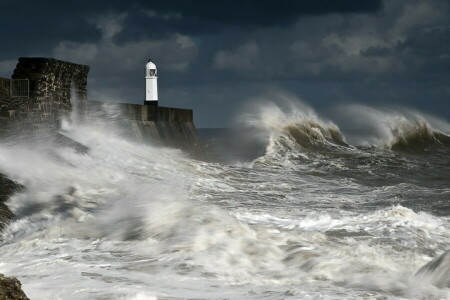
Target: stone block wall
156	113
4	87
52	85
157	125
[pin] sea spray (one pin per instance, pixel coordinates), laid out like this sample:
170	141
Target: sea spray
125	220
394	128
292	126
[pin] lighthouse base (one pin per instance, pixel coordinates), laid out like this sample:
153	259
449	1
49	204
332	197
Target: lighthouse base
151	103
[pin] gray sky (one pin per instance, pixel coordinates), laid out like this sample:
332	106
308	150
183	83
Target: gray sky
215	56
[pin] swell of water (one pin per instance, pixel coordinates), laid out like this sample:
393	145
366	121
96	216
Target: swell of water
130	221
293	127
296	127
396	129
436	271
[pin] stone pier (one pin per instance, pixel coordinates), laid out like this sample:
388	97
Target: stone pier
52	83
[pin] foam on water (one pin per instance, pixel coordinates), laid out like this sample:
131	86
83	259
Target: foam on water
396	129
129	221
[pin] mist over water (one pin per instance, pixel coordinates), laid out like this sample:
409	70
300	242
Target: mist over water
312	215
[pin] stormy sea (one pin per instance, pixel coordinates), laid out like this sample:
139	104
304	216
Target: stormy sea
294	205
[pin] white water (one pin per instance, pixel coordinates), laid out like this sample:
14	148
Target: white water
385	126
129	221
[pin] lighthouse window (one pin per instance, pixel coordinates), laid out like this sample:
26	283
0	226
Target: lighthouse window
152	72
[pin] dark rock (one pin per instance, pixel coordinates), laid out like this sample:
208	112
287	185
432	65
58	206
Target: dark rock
7	188
11	289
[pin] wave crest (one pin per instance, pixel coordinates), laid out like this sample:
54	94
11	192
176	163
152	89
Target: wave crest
437	271
417	135
313	135
293	127
394	129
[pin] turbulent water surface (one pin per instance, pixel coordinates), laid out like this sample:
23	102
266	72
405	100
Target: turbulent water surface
313	214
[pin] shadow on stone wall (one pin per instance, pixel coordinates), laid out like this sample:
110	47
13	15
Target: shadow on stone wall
52	83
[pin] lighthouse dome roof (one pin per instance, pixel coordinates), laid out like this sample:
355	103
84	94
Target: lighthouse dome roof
150	65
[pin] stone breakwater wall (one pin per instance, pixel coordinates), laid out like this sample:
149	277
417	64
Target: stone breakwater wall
4	87
156	125
52	84
55	86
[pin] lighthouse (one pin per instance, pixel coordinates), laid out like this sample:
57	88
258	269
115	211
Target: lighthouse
151	84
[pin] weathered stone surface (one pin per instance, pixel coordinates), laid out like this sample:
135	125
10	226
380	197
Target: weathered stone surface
4	87
48	75
11	289
52	85
157	125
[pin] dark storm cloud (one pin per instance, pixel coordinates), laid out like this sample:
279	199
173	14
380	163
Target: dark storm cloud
156	19
427	54
376	51
43	24
33	27
259	12
214	55
432	42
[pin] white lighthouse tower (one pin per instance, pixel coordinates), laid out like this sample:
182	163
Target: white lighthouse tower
151	84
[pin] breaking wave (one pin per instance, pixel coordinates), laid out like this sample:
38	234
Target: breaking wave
121	217
417	136
313	135
395	129
437	271
294	127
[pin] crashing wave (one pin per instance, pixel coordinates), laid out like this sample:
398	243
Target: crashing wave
294	127
437	271
394	129
313	135
417	135
306	136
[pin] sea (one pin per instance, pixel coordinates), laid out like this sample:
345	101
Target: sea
286	204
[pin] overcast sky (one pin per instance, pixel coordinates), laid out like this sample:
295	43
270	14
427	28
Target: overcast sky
215	56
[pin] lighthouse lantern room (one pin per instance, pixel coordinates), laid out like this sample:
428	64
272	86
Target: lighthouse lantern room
151	84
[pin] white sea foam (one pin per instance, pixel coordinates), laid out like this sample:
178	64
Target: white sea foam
393	127
290	125
129	221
